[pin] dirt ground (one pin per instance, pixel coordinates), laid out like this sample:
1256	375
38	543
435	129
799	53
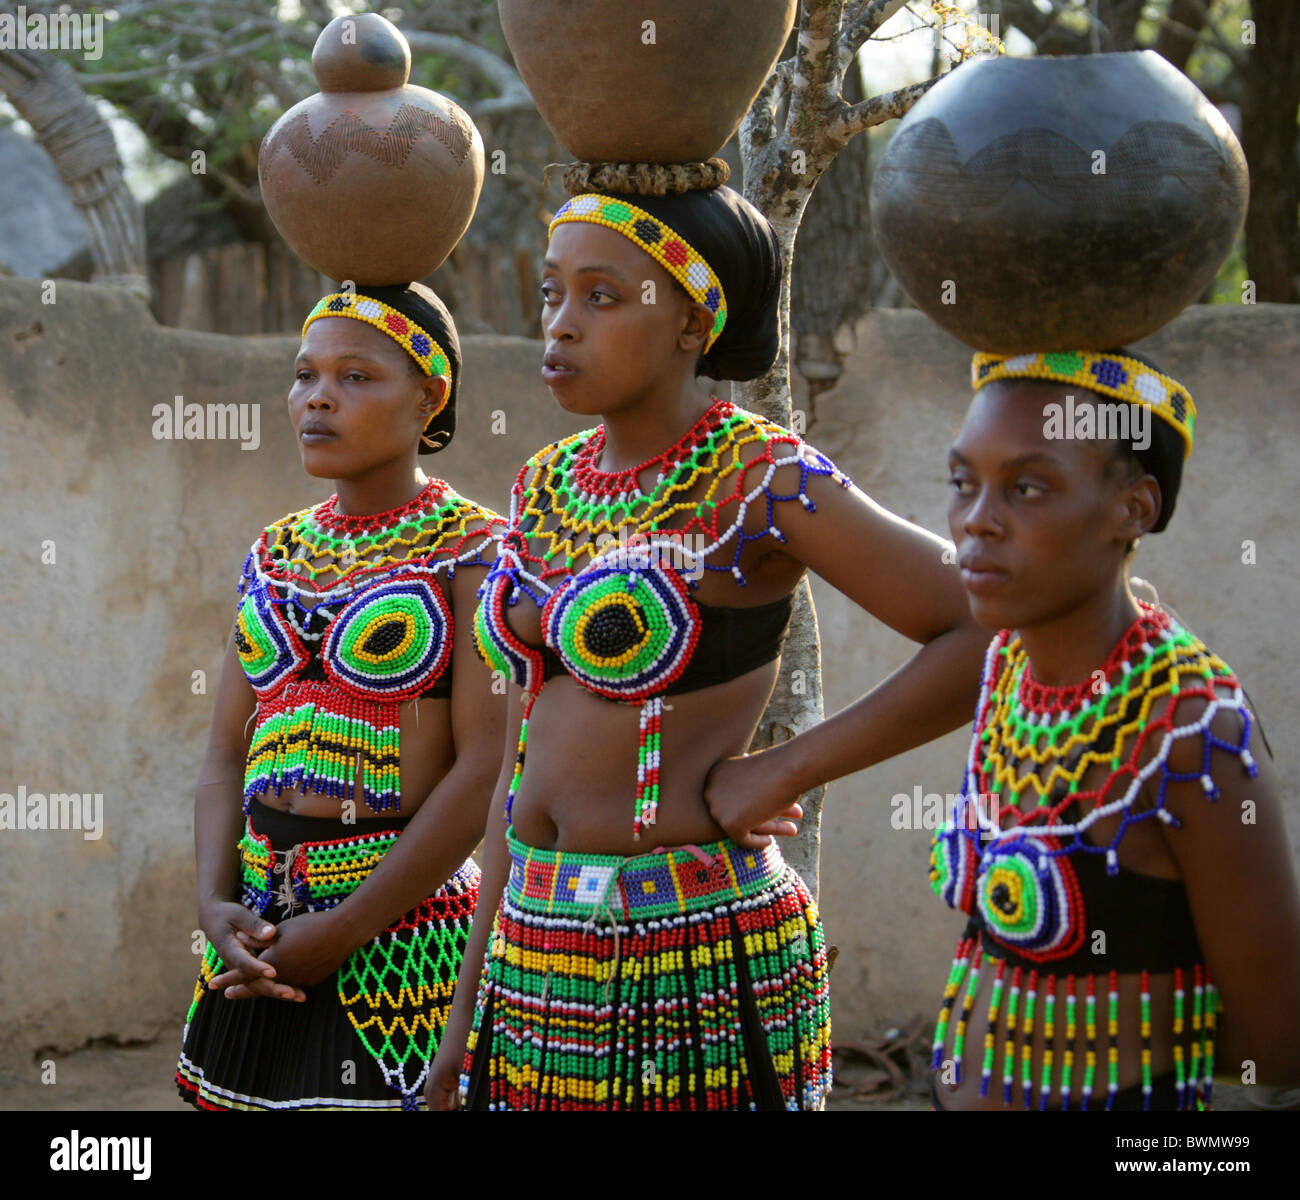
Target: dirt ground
139	1078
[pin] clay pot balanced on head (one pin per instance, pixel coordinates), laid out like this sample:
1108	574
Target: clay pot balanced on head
373	179
1030	204
660	81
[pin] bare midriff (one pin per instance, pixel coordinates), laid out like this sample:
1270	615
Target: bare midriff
579	783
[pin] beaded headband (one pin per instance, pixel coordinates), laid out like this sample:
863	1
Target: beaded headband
671	251
1110	374
417	342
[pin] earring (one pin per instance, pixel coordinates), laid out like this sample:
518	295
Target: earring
1136	580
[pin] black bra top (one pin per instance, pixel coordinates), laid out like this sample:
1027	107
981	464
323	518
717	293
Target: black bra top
1147	923
732	641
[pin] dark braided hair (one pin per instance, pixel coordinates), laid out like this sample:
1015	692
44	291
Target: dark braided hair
1162	458
423	306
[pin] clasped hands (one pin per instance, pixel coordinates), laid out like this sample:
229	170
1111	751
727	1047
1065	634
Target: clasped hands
746	796
260	959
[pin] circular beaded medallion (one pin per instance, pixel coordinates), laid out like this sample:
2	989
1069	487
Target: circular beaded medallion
496	642
390	641
954	863
625	627
269	648
1029	897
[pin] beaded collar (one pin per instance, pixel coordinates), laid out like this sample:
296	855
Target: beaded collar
593	485
431	530
328	518
1061	732
567	496
1058	729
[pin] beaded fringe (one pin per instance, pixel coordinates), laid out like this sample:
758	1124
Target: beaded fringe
313	737
1194	1081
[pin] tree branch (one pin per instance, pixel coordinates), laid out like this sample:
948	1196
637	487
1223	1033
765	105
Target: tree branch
878	109
1233	53
759	125
190	65
816	74
498	72
857	30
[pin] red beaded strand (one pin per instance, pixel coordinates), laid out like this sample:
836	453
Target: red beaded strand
592	480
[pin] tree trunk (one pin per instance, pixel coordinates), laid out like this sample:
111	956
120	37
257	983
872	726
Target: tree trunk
45	91
1268	126
782	163
830	285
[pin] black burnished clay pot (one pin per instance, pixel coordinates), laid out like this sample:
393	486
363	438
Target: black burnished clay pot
1002	221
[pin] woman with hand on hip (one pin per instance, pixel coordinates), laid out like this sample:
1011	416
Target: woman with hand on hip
651	948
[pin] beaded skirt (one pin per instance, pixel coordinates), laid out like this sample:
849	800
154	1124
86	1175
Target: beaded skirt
688	979
362	1039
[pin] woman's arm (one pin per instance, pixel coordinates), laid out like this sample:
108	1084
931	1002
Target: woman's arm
218	826
897	572
444	1072
1235	860
441	834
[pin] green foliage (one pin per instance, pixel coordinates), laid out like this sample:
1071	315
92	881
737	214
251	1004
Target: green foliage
214	76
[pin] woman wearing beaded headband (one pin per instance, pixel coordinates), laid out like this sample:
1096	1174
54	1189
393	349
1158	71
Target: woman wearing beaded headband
651	947
336	923
1114	797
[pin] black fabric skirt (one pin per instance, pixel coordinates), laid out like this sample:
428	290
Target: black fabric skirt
364	1038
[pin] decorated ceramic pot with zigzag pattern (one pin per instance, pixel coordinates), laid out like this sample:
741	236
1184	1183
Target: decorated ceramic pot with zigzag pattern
373	179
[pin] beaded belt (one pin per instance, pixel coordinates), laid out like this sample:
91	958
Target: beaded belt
318	875
674	881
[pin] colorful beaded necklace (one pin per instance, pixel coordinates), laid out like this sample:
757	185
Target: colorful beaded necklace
1013	869
363	591
624	624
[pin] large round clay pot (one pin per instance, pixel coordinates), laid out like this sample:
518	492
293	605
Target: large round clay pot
611	94
373	179
1059	203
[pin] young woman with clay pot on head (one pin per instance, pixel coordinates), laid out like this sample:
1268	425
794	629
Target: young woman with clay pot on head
336	922
651	948
1120	846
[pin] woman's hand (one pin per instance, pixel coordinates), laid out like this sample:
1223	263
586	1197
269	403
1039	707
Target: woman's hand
751	801
442	1088
307	950
235	934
